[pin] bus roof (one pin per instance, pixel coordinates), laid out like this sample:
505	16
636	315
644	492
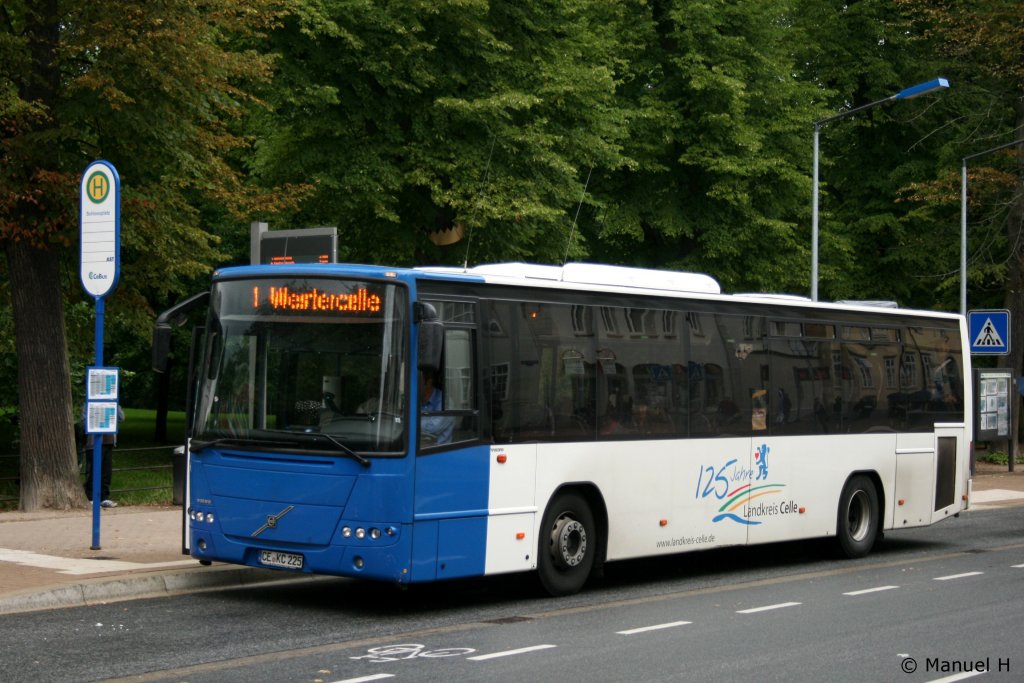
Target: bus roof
575	276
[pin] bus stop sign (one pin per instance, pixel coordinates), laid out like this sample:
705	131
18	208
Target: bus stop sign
989	332
101	229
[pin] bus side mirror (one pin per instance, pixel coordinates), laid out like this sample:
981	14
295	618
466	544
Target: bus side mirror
161	347
176	316
431	337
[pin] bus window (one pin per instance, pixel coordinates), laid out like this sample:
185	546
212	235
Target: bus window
729	364
448	397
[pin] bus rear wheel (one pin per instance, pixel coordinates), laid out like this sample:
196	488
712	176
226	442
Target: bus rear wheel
857	525
567	545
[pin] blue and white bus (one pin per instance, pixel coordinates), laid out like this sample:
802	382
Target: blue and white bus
577	415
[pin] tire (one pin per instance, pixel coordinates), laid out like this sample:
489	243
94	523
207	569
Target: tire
567	545
857	525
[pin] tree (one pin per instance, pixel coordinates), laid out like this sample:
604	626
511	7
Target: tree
471	118
984	45
720	143
154	88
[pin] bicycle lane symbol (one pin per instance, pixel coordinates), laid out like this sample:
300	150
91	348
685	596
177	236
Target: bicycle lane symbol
393	653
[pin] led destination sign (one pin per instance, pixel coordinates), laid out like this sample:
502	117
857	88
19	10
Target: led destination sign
314	300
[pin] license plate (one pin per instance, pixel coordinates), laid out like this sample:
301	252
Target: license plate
273	558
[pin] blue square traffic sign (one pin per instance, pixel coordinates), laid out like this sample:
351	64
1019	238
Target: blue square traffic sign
989	331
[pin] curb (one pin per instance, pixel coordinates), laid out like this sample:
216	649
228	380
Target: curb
159	584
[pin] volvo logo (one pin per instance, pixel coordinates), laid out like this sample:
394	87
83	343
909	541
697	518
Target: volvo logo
272	521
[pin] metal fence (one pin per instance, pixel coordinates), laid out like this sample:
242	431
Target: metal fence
11	482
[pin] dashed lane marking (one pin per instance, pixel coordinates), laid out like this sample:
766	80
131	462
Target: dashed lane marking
766	608
509	653
871	590
657	627
957	576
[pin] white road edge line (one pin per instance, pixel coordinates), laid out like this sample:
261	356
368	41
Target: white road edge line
957	576
509	653
871	590
1017	566
767	607
644	629
364	679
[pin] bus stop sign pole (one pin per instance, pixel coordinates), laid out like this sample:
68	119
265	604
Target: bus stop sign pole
100	267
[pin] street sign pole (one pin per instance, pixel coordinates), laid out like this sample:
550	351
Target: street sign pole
100	266
97	439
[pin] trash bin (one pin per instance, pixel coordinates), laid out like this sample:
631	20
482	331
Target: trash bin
178	475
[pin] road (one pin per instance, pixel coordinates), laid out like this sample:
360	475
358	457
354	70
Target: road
941	603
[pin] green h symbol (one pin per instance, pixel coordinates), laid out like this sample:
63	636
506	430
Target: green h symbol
97	187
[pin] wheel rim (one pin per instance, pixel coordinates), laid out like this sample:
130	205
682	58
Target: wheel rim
568	542
858	516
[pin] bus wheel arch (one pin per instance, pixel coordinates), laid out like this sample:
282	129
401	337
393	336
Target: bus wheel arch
859	517
571	544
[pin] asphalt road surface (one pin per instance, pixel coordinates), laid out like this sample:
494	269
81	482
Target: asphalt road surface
943	603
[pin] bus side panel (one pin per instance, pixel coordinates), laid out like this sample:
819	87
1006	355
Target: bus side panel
798	496
914	489
451	496
662	496
512	511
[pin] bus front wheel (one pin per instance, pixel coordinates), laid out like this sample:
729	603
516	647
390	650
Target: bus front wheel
857	525
567	545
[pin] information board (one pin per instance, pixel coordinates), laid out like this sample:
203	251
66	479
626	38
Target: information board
101	384
311	245
101	417
994	402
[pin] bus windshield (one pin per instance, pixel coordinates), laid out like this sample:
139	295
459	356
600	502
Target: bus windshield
311	364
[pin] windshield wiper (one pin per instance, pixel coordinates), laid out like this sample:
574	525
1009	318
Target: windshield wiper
299	437
291	439
365	462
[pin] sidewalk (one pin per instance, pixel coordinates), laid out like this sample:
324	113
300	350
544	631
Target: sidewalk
46	560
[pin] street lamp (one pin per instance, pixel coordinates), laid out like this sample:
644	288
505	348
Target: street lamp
905	94
963	219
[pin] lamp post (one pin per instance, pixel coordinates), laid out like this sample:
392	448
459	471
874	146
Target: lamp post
905	94
963	219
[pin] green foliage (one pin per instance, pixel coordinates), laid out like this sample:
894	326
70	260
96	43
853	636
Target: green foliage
415	118
998	457
659	133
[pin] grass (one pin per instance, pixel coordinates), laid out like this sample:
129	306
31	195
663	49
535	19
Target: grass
142	465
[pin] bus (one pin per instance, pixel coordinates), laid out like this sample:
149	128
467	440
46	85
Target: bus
413	425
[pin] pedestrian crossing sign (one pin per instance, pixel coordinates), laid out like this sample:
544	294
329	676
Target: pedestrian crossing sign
989	332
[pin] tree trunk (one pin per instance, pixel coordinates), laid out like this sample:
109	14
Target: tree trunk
49	463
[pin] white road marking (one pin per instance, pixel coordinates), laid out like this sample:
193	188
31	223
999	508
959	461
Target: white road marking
958	576
79	566
509	653
644	629
958	677
1018	566
363	679
766	608
871	590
